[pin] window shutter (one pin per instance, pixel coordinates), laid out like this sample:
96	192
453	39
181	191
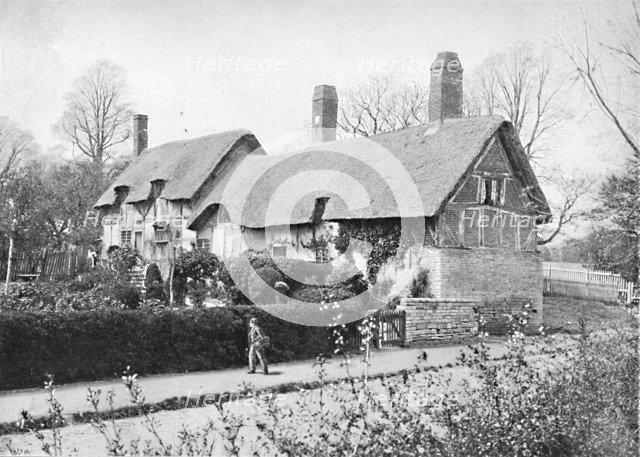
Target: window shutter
483	191
503	191
494	191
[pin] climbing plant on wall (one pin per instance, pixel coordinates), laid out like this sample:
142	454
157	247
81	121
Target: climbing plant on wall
384	236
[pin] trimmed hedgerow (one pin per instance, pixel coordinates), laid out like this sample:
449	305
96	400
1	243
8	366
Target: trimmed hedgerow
96	344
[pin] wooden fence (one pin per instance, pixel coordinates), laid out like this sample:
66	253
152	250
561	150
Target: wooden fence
45	265
587	283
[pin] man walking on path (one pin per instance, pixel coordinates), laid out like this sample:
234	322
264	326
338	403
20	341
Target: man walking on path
257	344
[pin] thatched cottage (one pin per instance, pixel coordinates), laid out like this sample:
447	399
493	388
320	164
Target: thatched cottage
479	198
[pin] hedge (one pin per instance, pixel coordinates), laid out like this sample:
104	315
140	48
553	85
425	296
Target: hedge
98	344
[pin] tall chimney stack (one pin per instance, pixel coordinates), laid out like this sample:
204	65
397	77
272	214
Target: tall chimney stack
324	113
140	135
445	93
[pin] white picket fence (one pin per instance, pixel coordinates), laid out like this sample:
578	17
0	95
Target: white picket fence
585	283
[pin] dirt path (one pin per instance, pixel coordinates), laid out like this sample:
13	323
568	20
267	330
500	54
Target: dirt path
161	387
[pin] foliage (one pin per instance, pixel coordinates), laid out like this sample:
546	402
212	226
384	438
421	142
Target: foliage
154	287
98	289
152	275
235	269
93	344
420	285
620	204
128	295
197	292
34	296
578	398
197	264
124	258
610	250
23	219
384	236
50	206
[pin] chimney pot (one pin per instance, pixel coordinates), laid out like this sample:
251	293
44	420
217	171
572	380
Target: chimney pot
140	135
324	113
445	92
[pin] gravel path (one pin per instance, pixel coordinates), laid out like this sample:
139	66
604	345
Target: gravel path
160	387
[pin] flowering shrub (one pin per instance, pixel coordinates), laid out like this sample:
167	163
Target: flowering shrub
547	399
571	396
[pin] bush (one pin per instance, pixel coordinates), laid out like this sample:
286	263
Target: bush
92	345
94	279
95	290
128	295
124	258
235	269
154	287
35	296
198	292
197	264
420	286
544	397
152	275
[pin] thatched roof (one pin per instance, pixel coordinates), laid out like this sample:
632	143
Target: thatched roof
437	156
184	166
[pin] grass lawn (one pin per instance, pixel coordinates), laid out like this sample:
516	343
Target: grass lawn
562	314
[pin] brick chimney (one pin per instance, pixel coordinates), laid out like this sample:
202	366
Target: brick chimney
324	113
445	92
140	135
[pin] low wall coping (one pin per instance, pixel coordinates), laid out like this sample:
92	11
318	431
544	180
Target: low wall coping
411	301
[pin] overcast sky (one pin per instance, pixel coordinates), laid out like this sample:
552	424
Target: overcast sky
254	64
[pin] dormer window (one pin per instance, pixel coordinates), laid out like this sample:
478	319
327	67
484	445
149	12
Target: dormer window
157	187
121	195
492	191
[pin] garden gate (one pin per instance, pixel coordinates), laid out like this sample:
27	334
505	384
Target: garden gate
391	325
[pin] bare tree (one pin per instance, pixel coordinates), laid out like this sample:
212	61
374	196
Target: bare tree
97	115
15	144
572	192
601	67
519	85
609	69
381	104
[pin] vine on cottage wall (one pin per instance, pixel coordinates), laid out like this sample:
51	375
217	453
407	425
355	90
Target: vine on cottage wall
384	236
318	242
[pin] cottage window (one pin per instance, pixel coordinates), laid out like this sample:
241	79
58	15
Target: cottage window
125	237
322	255
279	251
204	243
492	192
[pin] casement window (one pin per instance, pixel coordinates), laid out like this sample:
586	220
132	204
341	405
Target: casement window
322	255
125	237
279	251
204	243
492	191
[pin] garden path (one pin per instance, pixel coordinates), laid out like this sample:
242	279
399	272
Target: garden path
160	387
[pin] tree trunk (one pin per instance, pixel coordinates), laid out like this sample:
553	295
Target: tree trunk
171	297
8	278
